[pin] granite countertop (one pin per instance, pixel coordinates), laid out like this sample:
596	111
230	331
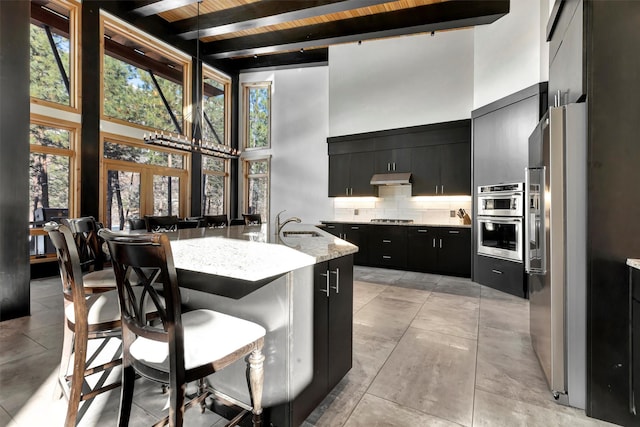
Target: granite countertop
253	252
633	263
414	224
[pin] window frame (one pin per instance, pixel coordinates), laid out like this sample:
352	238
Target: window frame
225	174
74	170
246	164
116	25
74	60
147	172
246	88
211	73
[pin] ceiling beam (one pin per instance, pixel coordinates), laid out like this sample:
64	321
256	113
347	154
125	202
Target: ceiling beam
261	14
153	7
294	59
433	17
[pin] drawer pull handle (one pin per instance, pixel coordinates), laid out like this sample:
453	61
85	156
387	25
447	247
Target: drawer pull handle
496	271
386	257
454	232
355	228
386	241
422	231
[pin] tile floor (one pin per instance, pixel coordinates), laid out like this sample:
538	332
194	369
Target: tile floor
428	351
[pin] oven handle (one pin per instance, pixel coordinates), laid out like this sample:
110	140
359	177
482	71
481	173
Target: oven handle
500	219
499	193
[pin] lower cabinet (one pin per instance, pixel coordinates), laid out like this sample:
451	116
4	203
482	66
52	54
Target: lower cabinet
442	250
429	249
332	333
352	233
506	276
388	246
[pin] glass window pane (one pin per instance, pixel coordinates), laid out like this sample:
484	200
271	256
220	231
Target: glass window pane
258	167
49	182
130	94
258	116
142	155
47	81
213	194
258	196
123	198
49	137
213	108
166	195
213	164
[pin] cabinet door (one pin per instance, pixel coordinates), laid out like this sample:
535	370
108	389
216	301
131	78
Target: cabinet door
455	169
339	173
340	319
334	228
421	249
396	160
425	171
358	235
454	251
362	169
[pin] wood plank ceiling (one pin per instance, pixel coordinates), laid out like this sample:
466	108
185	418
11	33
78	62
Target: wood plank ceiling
244	34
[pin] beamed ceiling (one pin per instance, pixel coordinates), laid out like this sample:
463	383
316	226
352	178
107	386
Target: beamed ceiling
244	34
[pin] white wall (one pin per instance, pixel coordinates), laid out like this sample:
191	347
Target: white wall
299	161
398	82
511	53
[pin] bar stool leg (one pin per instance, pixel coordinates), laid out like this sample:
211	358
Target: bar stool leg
256	381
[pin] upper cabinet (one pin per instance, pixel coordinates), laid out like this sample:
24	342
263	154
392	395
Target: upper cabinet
501	133
442	170
350	175
438	156
567	82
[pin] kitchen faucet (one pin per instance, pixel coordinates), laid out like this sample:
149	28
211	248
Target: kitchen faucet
280	225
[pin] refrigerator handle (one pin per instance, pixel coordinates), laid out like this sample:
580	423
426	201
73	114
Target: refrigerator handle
527	221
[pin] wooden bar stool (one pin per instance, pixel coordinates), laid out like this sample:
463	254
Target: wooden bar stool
186	346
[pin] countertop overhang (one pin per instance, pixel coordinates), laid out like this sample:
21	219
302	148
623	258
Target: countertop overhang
410	224
253	253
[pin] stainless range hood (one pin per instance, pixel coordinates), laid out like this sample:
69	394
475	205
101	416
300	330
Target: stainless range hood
391	178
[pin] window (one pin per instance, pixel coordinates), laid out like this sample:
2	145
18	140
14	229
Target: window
139	181
52	60
142	84
51	176
257	187
257	101
215	107
214	185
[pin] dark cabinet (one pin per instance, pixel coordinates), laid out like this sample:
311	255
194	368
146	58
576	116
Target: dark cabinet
422	254
443	169
350	174
566	55
506	276
388	246
443	250
332	333
398	160
352	233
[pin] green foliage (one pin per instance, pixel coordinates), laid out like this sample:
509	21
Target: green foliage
46	80
259	121
131	95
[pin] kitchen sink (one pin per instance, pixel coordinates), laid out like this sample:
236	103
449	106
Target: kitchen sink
300	234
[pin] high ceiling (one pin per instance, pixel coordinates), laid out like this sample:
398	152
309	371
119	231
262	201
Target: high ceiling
245	34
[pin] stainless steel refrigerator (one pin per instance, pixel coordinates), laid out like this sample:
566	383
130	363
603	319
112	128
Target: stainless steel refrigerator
555	249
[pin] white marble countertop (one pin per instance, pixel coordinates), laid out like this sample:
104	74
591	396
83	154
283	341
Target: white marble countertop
633	263
253	252
414	224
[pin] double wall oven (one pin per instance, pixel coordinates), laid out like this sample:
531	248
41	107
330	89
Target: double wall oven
500	221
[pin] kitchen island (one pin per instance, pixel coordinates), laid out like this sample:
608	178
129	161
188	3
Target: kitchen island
298	286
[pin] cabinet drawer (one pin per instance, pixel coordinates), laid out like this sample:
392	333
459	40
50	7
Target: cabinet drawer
505	276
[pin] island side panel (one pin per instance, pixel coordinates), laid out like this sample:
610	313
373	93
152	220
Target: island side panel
284	308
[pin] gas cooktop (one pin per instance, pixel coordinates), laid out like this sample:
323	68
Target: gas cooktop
392	221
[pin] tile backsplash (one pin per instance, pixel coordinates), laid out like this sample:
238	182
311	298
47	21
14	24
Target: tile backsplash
396	202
